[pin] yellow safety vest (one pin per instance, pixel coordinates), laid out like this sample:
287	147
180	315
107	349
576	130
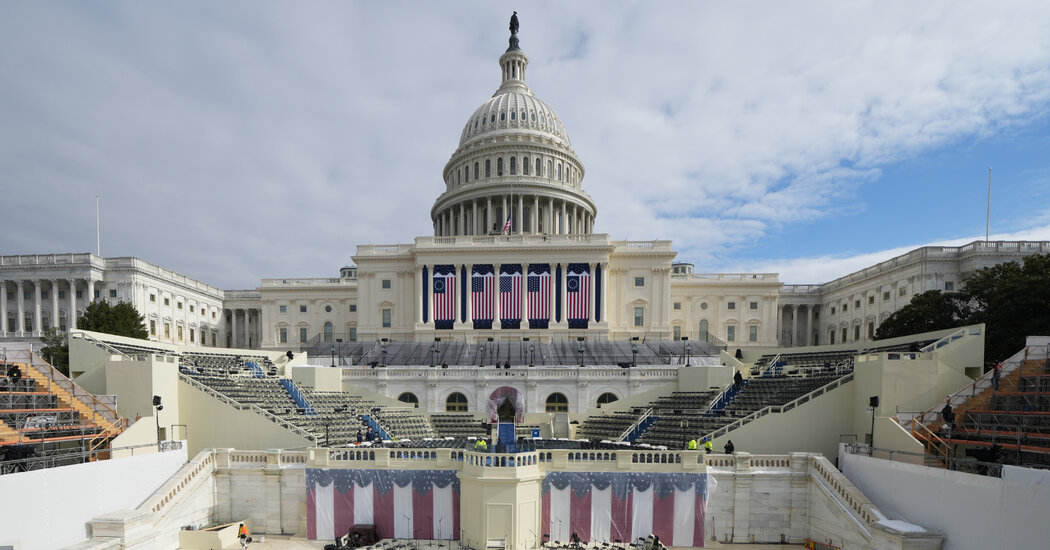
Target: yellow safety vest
692	444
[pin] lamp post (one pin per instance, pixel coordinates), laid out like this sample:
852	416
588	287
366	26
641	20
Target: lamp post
481	353
433	351
873	402
156	415
685	425
532	355
688	353
382	351
333	355
634	354
581	353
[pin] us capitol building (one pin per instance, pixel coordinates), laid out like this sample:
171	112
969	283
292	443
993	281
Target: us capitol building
513	256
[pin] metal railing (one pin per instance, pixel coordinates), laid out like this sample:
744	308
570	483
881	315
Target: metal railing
627	433
967	465
247	407
65	457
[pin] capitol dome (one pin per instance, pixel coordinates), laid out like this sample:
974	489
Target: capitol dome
514	165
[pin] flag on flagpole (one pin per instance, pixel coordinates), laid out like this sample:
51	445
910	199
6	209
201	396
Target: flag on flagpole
506	226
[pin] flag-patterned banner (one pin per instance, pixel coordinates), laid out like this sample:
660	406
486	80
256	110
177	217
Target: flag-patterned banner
481	295
577	292
510	296
444	296
606	506
403	504
539	288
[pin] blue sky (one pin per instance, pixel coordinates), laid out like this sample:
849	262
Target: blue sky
240	140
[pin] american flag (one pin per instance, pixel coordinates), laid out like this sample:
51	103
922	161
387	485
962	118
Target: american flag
510	295
539	292
444	293
578	294
506	226
481	294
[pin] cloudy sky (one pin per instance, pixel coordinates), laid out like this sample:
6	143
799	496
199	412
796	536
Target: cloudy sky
233	141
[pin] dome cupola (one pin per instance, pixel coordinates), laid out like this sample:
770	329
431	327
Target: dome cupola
514	162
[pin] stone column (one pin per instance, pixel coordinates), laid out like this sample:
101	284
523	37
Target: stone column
563	295
496	324
21	328
418	291
3	308
488	216
553	286
38	323
794	326
470	296
573	228
563	222
54	304
248	327
590	294
535	223
462	226
521	214
233	328
474	205
550	215
91	290
523	299
72	304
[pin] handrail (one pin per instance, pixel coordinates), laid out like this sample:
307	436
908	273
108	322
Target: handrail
246	406
780	408
98	343
648	412
772	364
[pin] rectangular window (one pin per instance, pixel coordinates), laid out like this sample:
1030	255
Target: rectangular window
178	305
753	305
639	281
386	284
112	293
11	295
903	291
886	295
856	304
97	293
43	295
80	294
283	309
386	318
871	331
831	337
167	301
302	334
731	305
302	309
856	332
730	333
752	333
28	295
153	298
844	335
353	334
178	330
639	316
191	335
213	315
677	330
284	335
949	285
833	311
214	338
678	305
845	307
871	300
152	327
61	295
167	330
192	309
353	308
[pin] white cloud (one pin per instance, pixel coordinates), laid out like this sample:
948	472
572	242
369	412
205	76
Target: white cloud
271	139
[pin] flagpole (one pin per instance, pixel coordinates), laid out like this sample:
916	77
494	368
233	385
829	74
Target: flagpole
988	213
98	230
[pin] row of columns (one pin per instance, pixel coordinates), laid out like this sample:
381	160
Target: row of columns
249	339
801	330
38	323
477	216
422	297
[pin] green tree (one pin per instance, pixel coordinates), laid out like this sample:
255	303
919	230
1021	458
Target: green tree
122	319
931	310
56	349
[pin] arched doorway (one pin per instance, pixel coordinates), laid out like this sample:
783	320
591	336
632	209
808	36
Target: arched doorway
606	398
557	402
409	397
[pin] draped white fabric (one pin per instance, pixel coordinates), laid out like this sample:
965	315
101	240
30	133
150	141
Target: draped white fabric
601	514
642	513
324	501
684	516
403	512
559	528
442	512
363	505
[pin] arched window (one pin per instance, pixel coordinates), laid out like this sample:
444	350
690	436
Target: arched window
499	166
477	173
606	398
513	166
703	330
532	117
488	168
328	332
409	397
526	218
559	172
512	115
466	173
459	175
493	117
523	119
456	402
538	166
502	117
557	402
525	166
550	168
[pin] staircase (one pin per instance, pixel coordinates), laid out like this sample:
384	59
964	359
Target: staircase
67	399
8	435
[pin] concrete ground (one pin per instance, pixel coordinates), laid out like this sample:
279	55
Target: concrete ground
288	543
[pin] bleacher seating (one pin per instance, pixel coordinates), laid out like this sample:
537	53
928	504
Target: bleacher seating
457	425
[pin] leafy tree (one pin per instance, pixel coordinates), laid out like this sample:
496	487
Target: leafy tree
56	349
928	311
122	319
1012	299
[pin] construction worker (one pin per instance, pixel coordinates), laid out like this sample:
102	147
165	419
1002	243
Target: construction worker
692	445
481	446
707	445
242	534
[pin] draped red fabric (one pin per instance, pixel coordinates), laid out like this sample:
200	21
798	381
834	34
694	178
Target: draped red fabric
344	511
701	516
455	514
423	515
311	515
663	518
580	515
545	516
383	512
621	518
